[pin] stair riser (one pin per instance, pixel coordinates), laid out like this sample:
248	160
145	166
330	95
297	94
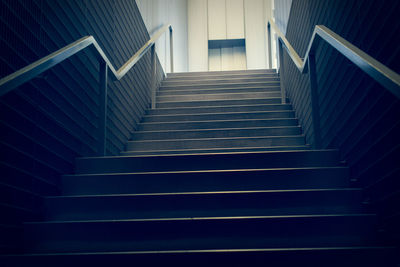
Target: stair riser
219	77
206	181
214	143
215	117
165	92
215	86
208	97
214	150
327	257
218	81
214	103
203	205
200	234
197	134
182	111
221	74
289	159
216	124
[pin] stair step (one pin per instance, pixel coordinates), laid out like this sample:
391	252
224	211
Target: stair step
220	161
219	80
220	116
204	204
225	124
223	96
213	103
188	78
201	110
206	143
225	90
220	73
187	86
201	233
206	181
214	150
277	257
215	133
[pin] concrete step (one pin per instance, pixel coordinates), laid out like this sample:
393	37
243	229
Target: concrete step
220	80
220	116
244	89
219	103
348	256
220	161
187	86
205	143
223	96
206	181
204	204
214	150
220	73
189	76
215	133
226	124
222	109
244	232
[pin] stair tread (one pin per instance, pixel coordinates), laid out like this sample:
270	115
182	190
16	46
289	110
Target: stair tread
330	256
227	100
223	113
206	109
173	89
192	219
211	250
224	153
234	120
220	138
209	193
199	171
219	129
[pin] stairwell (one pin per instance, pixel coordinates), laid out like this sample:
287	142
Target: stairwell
218	174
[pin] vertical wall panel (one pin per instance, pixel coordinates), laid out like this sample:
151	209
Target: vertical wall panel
234	19
197	35
216	12
255	34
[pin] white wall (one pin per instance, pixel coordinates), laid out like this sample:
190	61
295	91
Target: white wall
156	13
255	29
211	19
197	35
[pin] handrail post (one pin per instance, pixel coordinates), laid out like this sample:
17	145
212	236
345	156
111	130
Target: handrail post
153	76
269	46
281	72
171	48
102	108
314	100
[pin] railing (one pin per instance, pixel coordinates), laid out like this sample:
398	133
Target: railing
31	71
379	72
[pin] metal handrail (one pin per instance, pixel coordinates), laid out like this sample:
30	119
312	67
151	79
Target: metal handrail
379	72
31	71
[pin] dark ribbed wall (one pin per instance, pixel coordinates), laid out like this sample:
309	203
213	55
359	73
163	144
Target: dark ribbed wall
48	122
358	116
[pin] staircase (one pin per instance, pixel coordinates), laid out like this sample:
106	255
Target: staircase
220	175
